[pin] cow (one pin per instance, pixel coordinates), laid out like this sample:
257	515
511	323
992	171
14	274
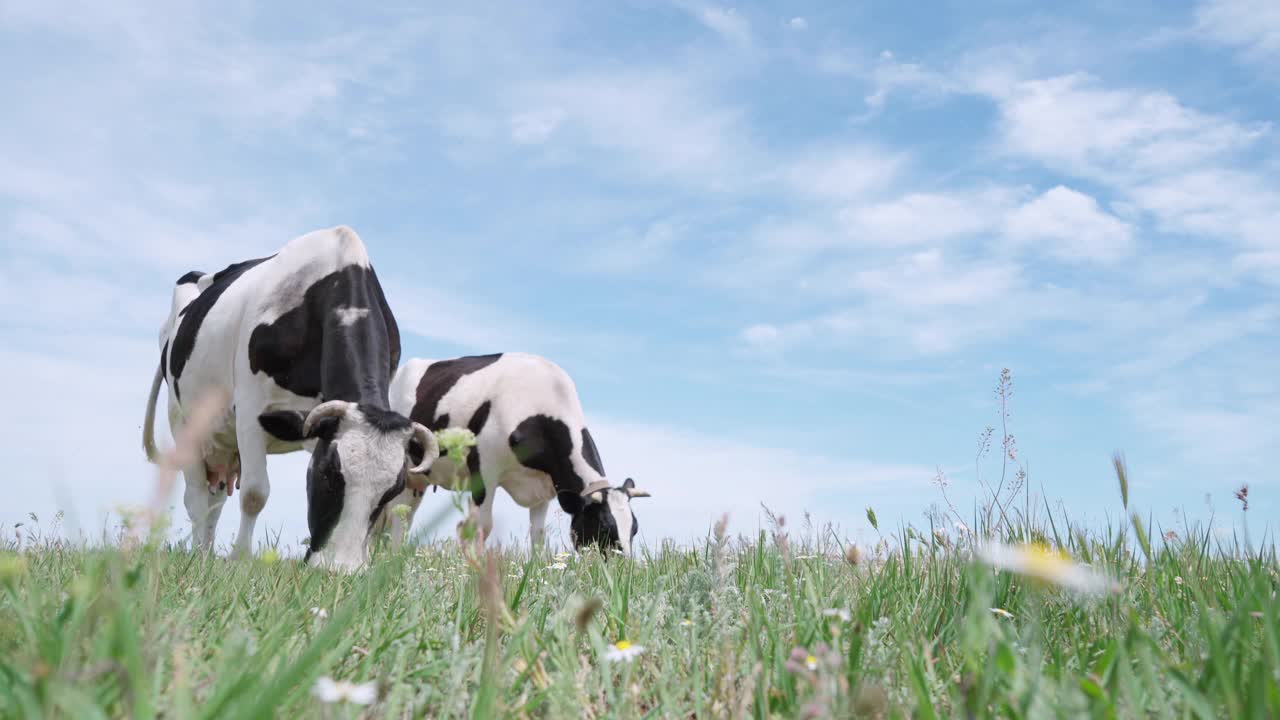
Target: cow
304	342
531	440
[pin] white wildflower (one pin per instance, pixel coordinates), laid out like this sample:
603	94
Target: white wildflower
686	623
1047	565
557	566
1001	612
320	613
330	691
841	613
623	651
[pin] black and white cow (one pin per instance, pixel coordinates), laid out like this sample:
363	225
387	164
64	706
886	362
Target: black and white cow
306	345
531	440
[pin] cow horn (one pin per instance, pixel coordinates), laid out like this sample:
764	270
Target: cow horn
430	448
595	487
634	493
332	408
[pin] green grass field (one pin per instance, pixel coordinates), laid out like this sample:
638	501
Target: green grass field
769	626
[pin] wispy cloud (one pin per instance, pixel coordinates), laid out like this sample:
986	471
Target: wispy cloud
726	22
1069	225
1252	26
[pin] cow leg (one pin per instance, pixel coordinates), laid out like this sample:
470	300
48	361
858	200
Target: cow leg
483	513
538	526
216	502
254	485
197	499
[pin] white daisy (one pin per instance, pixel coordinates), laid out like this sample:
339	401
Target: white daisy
1001	612
320	613
1047	565
330	691
557	566
623	651
811	662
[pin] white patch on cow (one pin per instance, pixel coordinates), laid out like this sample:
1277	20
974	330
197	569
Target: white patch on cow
620	509
348	316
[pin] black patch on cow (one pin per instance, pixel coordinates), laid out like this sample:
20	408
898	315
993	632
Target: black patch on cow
544	443
383	420
439	379
191	277
595	525
284	425
309	352
325	428
590	453
388	496
164	357
478	419
326	489
184	341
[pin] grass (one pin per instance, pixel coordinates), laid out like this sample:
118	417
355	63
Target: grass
1192	630
774	625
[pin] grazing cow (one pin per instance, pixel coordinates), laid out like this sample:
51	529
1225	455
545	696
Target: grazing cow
531	440
305	344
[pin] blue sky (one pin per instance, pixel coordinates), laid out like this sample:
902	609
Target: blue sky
784	252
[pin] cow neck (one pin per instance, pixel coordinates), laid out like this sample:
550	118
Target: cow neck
357	357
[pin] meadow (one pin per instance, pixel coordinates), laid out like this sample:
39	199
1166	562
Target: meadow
789	623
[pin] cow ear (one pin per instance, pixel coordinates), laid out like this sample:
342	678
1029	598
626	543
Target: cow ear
284	425
628	484
324	428
415	452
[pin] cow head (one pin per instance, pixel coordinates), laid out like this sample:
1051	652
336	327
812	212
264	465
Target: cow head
359	463
606	518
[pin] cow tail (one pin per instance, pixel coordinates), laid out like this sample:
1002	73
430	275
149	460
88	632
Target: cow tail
149	423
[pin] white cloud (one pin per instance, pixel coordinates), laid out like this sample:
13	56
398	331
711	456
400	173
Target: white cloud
798	23
1069	225
919	302
844	173
636	249
658	124
695	476
762	336
725	22
432	312
535	126
926	218
927	279
1070	123
1253	26
1237	205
